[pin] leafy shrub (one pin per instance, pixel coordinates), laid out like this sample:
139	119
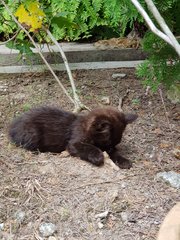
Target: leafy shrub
163	63
86	15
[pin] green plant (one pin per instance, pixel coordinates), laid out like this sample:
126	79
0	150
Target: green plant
86	16
135	101
163	63
26	107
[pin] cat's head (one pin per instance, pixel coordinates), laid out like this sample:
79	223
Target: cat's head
105	126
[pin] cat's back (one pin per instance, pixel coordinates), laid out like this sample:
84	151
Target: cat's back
41	126
44	116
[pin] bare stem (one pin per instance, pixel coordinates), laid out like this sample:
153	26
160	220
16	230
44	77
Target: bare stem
76	97
78	104
163	25
165	110
10	39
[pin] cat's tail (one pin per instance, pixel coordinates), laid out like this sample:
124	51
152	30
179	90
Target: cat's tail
21	136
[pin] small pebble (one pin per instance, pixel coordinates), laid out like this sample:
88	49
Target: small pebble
100	225
1	226
123	185
20	216
105	100
102	215
47	229
170	177
156	222
118	75
52	238
124	216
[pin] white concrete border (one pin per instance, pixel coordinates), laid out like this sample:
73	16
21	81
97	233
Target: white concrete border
73	66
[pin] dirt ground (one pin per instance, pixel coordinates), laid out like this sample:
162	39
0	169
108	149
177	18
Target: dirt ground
68	192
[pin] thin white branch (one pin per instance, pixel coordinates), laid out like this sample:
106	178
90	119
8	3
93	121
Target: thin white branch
151	25
75	96
163	25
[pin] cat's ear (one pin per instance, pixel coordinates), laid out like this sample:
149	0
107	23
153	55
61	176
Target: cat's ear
130	117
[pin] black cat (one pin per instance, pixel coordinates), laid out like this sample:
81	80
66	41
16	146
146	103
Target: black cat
49	129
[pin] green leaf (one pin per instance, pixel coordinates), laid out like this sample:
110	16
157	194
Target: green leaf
23	46
62	21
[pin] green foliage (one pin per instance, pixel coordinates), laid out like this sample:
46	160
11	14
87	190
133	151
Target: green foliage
24	46
163	64
77	19
7	26
26	107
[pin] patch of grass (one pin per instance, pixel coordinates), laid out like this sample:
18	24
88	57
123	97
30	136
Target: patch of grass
135	101
26	107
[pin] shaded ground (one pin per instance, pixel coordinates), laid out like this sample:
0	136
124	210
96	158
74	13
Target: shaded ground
69	192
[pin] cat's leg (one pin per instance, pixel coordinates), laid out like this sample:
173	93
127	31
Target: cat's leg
118	159
86	152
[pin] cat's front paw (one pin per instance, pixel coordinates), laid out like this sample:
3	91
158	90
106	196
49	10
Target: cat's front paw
120	161
96	157
125	164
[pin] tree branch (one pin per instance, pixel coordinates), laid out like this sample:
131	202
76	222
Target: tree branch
153	28
163	25
10	39
78	105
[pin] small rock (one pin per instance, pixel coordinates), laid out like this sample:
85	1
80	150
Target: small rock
171	177
118	75
124	216
105	100
64	154
123	185
102	215
100	225
157	222
52	238
20	216
47	229
1	226
3	87
115	195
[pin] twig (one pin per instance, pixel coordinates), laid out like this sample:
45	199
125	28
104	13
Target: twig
165	110
108	161
78	105
121	99
10	39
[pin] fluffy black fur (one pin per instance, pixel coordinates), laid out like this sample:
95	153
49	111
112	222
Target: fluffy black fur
49	129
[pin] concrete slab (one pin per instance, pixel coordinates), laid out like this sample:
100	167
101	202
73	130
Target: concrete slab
73	66
80	56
